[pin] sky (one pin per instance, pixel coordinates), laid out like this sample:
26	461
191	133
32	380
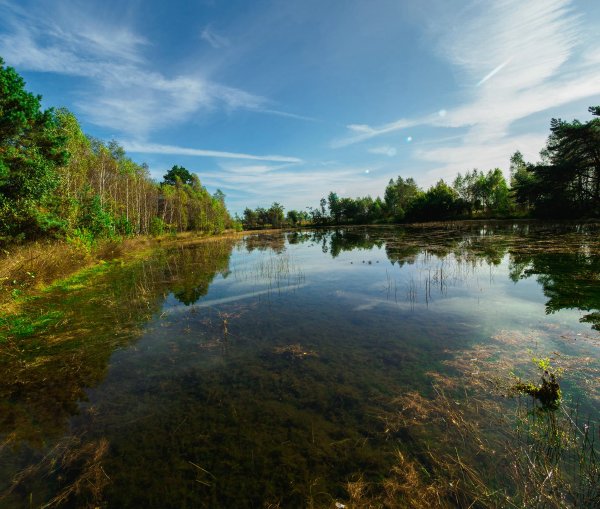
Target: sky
285	101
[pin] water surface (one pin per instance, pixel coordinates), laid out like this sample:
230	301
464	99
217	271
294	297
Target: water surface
271	370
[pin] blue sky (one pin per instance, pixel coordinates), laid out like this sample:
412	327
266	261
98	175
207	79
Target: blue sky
288	100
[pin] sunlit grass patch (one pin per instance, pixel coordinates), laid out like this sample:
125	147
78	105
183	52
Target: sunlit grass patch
79	280
21	326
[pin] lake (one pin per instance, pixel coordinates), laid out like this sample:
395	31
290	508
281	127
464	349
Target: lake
363	366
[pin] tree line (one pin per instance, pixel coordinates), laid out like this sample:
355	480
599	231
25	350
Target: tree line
564	184
57	182
273	217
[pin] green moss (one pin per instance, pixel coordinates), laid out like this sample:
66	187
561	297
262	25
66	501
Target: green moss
80	279
22	325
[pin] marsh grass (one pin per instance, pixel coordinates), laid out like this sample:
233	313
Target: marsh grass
295	351
23	268
473	441
278	271
27	267
533	457
75	468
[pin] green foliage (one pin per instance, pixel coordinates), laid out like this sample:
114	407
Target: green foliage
275	214
439	202
335	209
399	197
157	227
483	193
31	148
273	217
547	392
21	326
94	193
123	226
566	183
219	196
177	173
293	217
94	219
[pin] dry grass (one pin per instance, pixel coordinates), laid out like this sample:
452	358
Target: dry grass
32	265
77	466
27	267
471	447
295	351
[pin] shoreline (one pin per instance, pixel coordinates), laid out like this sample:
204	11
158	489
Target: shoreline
28	269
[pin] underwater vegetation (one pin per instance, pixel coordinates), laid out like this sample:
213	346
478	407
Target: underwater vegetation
547	392
367	367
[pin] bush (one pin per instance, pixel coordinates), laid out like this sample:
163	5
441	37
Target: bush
158	227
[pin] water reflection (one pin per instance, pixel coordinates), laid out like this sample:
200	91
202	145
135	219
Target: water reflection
239	373
565	260
45	376
570	278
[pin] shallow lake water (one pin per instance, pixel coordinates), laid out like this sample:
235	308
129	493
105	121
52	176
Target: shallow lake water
272	370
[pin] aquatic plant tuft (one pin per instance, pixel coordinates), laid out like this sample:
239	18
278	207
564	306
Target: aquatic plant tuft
547	392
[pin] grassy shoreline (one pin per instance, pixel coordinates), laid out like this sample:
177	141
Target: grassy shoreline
26	269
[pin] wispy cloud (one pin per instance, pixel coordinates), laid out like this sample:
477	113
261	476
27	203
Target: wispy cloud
541	66
383	150
493	72
216	40
363	132
154	148
286	114
124	91
448	160
294	186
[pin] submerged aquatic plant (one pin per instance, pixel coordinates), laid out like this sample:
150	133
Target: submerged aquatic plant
527	459
547	392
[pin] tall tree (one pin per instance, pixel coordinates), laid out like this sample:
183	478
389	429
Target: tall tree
335	210
31	148
399	194
177	172
567	180
275	214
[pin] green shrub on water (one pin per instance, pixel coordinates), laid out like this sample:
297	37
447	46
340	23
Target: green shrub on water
547	392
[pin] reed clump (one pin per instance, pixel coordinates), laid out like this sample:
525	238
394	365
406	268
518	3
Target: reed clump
547	392
31	265
486	453
295	351
76	468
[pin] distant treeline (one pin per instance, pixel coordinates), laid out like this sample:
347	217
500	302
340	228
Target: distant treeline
564	184
57	182
274	217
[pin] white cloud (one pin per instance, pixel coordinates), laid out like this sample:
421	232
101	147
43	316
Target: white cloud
216	40
295	187
383	150
534	51
488	76
126	93
450	160
155	148
362	132
287	115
